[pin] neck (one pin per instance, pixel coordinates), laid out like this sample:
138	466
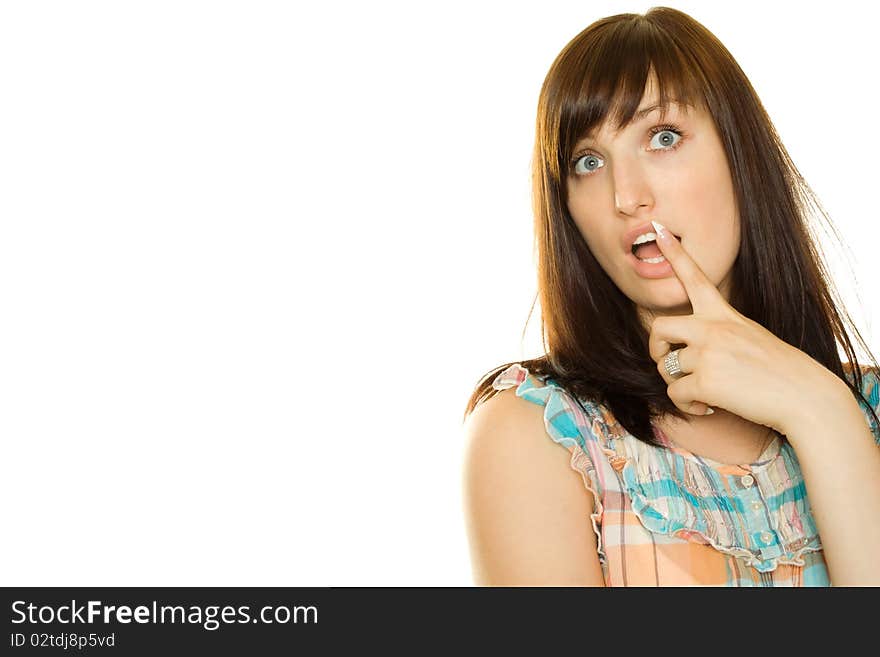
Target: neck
727	435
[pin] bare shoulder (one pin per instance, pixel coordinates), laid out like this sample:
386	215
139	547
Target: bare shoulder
527	511
510	430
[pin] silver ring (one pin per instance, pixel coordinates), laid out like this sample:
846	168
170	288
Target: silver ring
673	367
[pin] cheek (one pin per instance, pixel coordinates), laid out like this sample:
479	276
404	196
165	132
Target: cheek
734	240
591	232
720	250
710	203
589	223
582	219
703	179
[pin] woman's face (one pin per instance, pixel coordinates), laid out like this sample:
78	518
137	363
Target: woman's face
620	182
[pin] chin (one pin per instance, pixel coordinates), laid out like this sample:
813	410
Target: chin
670	303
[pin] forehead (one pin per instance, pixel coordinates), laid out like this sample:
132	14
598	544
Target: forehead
648	110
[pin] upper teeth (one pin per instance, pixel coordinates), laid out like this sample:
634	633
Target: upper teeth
645	237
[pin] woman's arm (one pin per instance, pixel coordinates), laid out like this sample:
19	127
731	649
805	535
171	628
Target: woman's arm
840	462
527	511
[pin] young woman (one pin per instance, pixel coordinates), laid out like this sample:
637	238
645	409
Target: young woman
691	422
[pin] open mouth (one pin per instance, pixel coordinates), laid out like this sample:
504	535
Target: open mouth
635	247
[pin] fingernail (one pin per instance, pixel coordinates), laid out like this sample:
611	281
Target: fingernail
659	228
709	411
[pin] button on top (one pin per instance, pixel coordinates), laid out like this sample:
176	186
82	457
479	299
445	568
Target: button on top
756	505
766	537
747	480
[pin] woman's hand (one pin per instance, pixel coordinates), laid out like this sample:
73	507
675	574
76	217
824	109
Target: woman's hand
731	361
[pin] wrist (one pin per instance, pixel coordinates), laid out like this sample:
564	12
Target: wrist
823	404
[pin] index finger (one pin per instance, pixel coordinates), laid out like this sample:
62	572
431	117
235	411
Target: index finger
703	294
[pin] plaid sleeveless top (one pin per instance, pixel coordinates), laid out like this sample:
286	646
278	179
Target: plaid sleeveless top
664	516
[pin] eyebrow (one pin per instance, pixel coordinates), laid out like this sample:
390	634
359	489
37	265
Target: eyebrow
638	116
642	113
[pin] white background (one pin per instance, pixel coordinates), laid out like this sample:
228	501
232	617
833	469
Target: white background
255	255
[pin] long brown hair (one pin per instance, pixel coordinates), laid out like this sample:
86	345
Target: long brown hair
595	344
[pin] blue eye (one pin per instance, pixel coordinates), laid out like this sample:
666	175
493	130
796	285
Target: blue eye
593	162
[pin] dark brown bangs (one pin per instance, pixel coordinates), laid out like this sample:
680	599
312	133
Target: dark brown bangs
610	83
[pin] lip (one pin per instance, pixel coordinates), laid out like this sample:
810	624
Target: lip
630	236
650	269
646	269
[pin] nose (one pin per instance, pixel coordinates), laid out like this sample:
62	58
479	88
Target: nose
631	191
630	208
